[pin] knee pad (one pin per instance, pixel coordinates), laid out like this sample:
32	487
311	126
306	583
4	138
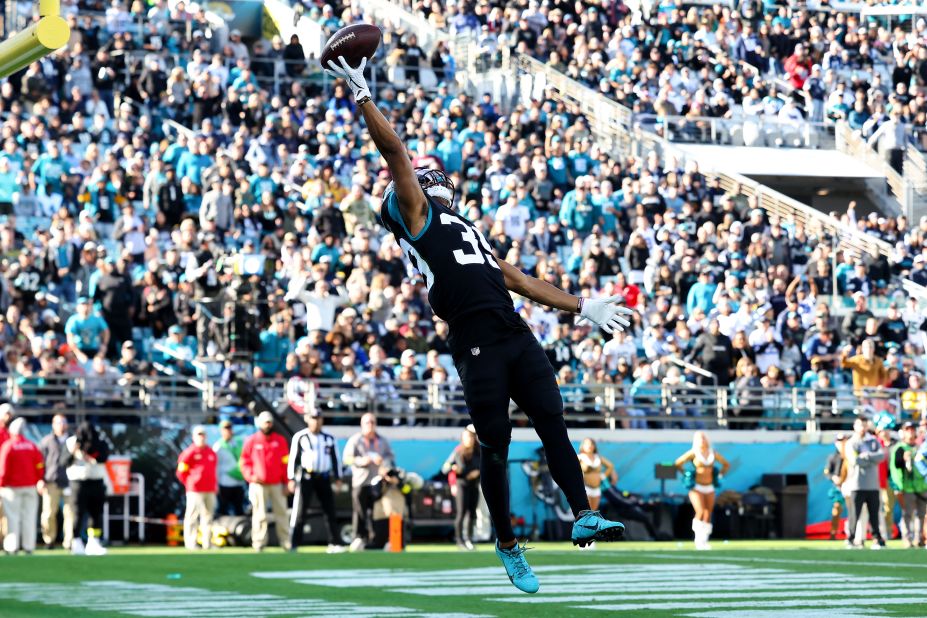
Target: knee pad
494	437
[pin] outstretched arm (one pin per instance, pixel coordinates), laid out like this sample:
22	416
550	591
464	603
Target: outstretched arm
605	312
412	203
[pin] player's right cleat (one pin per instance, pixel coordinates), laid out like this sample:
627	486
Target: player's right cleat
590	526
517	568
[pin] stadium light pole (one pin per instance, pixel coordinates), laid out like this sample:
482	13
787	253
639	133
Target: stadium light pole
43	37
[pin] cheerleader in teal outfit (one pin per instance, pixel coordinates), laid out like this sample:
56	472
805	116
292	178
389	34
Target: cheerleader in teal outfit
703	468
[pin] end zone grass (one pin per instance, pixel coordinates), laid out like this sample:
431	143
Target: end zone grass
744	578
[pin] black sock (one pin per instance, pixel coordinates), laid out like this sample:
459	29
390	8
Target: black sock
494	479
562	461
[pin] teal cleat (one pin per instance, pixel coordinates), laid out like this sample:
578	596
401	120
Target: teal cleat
517	568
590	526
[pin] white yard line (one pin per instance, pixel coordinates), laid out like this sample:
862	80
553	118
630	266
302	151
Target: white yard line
838	562
816	603
807	591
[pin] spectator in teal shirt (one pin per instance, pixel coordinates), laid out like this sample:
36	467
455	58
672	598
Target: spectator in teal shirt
558	165
88	334
270	361
578	211
49	168
177	351
580	161
261	182
192	163
9	184
450	152
702	293
175	151
328	249
473	132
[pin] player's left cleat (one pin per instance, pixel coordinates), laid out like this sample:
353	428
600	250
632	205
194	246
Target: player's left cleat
517	568
590	526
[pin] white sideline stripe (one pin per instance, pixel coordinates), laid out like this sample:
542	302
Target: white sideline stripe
817	603
722	559
554	588
800	613
676	567
157	600
807	592
582	582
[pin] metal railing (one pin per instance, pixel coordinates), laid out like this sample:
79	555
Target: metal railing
852	143
753	131
639	405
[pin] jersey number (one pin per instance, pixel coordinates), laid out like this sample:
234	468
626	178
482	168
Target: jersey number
475	238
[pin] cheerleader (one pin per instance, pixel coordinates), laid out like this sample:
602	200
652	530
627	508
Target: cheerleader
464	464
701	479
595	467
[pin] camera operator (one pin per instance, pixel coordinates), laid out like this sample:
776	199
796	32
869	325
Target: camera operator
369	455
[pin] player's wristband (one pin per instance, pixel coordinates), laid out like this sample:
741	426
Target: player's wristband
579	304
362	100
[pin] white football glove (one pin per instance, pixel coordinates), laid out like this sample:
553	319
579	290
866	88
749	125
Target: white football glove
607	313
354	77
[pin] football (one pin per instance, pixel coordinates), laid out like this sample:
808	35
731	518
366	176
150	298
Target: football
354	42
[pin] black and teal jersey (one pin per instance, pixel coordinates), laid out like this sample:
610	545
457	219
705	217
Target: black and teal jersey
465	283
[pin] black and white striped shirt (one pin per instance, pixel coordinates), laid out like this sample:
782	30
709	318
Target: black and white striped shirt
314	454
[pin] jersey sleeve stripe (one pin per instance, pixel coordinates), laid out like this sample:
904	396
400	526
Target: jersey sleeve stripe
393	208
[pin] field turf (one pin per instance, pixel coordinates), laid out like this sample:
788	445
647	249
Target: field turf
738	579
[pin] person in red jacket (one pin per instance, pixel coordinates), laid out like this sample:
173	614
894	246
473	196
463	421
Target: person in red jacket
196	469
798	67
263	464
22	469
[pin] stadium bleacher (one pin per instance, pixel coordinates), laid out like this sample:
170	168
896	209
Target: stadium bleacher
148	148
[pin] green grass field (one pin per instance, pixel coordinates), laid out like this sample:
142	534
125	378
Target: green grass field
737	579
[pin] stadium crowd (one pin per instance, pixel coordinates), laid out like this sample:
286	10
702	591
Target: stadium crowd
132	246
765	62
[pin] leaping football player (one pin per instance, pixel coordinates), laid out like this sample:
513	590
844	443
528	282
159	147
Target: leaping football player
494	351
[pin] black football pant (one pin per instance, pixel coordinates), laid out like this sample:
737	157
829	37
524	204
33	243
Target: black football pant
319	485
517	368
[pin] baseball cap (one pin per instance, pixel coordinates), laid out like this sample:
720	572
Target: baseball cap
313	412
909	425
226	424
265	417
199	429
83	300
175	329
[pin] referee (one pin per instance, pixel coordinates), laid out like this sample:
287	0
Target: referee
312	465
